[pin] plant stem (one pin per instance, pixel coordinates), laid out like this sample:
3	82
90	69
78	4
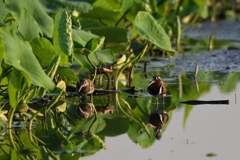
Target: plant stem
12	110
30	122
96	118
69	118
135	60
122	17
178	32
95	68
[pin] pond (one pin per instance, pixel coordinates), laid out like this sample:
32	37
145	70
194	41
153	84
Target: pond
192	131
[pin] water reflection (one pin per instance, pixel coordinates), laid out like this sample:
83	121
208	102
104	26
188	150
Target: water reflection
85	110
156	120
135	115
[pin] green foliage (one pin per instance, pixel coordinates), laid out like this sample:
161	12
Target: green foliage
21	57
47	45
2	50
32	12
80	6
115	37
149	29
14	87
43	50
62	37
28	26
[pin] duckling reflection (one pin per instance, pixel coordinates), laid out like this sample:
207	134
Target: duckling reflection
85	86
156	120
85	110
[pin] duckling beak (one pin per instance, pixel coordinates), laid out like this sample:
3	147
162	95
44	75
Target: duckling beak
151	83
83	112
81	87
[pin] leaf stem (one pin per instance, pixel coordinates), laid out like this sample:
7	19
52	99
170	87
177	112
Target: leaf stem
12	110
95	68
122	17
31	121
136	59
96	118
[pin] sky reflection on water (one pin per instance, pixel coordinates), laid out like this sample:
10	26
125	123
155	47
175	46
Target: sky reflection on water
209	129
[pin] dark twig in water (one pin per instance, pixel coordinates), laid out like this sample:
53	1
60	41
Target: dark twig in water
198	102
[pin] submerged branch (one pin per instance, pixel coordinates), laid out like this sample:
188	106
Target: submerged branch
197	102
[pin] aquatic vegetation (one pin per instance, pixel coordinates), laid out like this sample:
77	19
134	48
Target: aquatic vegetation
46	49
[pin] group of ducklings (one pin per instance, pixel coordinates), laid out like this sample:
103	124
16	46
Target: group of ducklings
156	88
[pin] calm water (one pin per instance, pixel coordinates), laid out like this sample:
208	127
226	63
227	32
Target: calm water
193	132
209	129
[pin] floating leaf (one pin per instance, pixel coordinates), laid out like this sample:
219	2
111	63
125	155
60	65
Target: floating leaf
99	140
143	138
111	129
211	155
188	109
21	57
149	29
